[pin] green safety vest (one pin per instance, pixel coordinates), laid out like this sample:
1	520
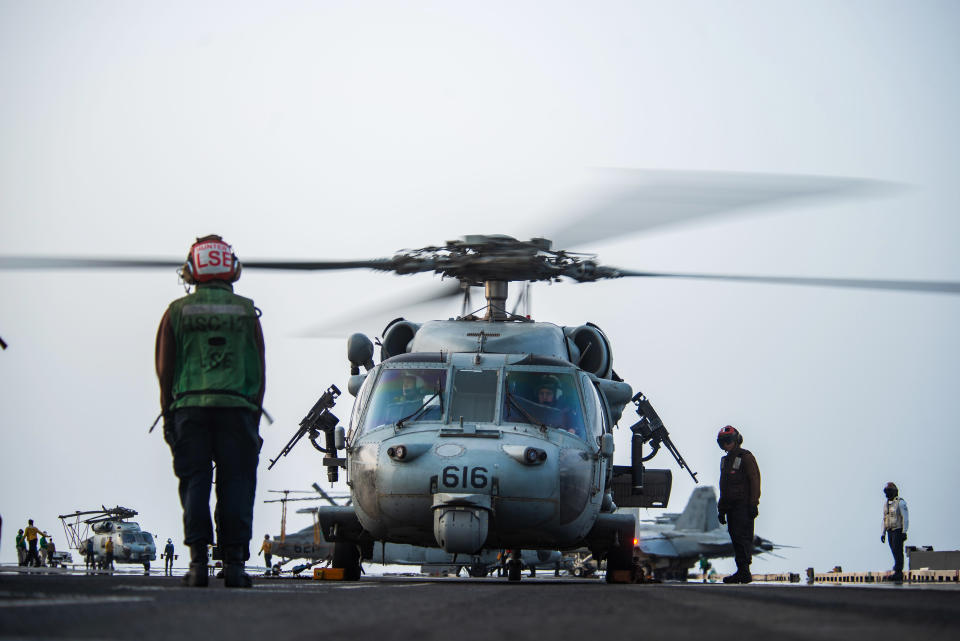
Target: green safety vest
218	363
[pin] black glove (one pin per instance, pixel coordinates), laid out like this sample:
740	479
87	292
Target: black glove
883	538
904	536
722	517
754	511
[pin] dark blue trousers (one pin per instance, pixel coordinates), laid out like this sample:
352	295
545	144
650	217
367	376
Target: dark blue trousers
740	527
228	437
895	540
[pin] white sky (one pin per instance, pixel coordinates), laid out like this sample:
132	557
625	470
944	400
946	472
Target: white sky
352	129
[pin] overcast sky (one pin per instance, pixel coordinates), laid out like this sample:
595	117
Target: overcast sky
353	129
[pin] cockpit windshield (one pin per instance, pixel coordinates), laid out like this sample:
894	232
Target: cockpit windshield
410	395
549	399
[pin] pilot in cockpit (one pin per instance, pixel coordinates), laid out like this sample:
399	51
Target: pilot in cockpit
548	392
409	391
408	400
550	395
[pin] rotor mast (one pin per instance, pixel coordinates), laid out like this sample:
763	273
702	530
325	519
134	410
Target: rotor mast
496	293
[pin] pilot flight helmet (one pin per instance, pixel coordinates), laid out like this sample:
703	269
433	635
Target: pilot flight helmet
549	382
729	434
890	490
210	258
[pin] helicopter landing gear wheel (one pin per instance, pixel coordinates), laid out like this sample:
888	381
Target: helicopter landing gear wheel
346	555
477	570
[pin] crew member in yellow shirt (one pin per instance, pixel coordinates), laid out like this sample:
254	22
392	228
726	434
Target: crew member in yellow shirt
32	534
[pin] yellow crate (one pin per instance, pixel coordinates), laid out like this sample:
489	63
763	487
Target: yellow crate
328	574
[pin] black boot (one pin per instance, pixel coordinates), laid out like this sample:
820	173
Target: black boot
196	576
234	557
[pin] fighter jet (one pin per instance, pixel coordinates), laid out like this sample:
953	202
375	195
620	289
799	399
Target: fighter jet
673	543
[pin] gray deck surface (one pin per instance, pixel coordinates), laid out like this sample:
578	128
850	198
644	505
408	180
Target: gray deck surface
74	606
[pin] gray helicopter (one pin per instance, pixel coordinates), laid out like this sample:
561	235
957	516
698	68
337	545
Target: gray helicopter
490	430
130	543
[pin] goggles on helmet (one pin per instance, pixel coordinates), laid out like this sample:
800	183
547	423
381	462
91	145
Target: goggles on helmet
728	434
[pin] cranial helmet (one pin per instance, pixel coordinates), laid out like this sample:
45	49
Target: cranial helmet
210	258
550	382
891	490
729	434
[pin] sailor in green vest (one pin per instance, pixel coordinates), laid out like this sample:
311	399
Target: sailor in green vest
210	363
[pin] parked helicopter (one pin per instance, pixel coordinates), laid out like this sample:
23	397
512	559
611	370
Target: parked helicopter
130	543
491	430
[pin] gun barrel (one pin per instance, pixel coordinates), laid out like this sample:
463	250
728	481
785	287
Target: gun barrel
289	446
676	455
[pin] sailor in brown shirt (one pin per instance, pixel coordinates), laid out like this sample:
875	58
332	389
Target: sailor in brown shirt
739	499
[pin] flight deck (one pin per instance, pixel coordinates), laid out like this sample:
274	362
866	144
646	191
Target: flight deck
71	605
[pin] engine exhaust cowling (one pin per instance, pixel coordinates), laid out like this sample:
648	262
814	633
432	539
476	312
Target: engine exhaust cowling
397	338
590	350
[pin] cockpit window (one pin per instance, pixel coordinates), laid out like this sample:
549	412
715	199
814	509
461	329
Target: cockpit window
474	395
128	537
411	394
543	398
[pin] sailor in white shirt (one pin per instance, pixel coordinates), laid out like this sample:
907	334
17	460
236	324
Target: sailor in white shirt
895	523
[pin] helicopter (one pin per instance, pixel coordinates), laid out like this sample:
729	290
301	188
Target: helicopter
490	429
130	543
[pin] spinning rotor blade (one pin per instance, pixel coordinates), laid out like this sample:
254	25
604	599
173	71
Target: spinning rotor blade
53	262
643	199
941	287
376	263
